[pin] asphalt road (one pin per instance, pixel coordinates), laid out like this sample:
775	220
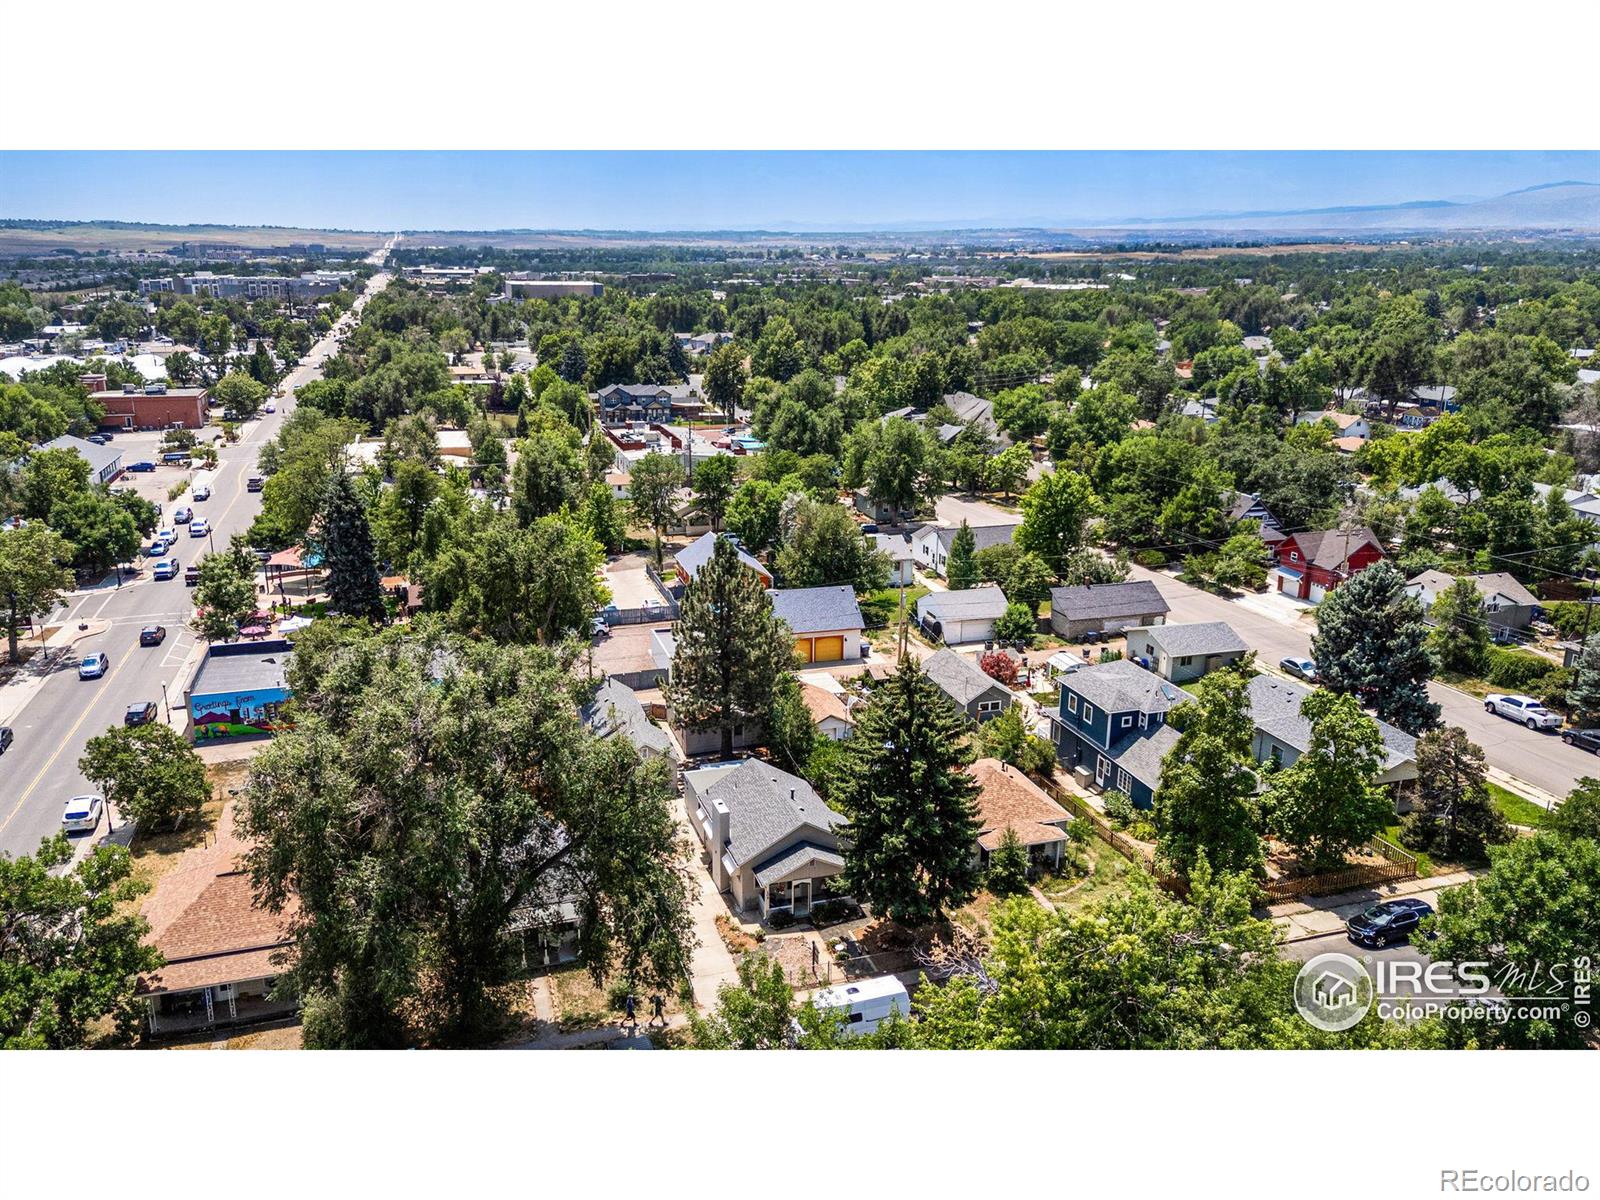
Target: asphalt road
1541	759
40	770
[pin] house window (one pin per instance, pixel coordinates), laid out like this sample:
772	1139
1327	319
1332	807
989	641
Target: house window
1294	556
1088	711
1143	720
1072	703
988	706
1127	722
1186	660
1123	782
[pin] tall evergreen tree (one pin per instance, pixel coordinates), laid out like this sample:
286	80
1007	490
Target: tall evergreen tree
731	648
1455	817
961	572
1583	697
1371	643
1206	804
1461	629
348	551
574	363
910	805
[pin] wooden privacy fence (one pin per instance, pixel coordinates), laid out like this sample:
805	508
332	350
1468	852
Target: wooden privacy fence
1397	865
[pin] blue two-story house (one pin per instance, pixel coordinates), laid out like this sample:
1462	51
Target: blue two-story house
1112	723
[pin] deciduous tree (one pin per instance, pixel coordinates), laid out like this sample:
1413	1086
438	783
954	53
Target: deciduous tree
1206	805
1325	803
149	773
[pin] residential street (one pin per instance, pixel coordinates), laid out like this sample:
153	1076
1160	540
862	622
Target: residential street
1540	759
54	718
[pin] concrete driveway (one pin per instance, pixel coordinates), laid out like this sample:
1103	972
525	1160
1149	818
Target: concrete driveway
952	510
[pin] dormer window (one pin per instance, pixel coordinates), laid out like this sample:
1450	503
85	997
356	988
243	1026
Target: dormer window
1294	556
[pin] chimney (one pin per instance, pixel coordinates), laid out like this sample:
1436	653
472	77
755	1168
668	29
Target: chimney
791	793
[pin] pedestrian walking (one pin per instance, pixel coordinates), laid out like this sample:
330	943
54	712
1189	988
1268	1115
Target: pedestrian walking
628	1007
659	1007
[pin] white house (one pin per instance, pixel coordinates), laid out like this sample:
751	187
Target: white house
932	542
1349	425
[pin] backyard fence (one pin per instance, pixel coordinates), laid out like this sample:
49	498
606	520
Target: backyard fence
1397	865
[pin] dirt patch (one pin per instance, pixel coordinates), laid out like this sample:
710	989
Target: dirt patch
285	1036
733	937
580	1003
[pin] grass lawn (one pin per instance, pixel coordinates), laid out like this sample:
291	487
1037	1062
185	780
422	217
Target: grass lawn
1108	873
1425	866
880	609
1515	808
582	1004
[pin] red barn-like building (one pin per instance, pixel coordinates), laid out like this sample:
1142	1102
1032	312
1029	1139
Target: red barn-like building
1312	564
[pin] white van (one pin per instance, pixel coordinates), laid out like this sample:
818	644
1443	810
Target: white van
865	1003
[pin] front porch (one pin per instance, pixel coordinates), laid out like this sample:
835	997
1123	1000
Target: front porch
225	1004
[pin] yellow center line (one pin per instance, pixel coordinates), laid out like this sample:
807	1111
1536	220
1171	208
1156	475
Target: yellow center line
51	762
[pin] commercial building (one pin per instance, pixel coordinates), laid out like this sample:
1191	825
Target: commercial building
548	289
310	286
240	689
154	406
105	462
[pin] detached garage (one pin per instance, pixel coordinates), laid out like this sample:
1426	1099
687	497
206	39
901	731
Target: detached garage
826	622
965	616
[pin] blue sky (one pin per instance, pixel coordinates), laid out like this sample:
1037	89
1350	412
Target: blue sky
659	190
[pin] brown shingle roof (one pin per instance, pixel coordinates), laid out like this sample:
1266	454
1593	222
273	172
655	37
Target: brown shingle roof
1009	799
206	924
822	704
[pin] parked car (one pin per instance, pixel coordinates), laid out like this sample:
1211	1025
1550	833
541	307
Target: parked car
198	527
99	439
174	457
1391	921
140	466
183	516
201	492
82	813
1302	668
269	406
6	737
93	666
152	635
253	484
1583	739
599	628
141	713
1525	710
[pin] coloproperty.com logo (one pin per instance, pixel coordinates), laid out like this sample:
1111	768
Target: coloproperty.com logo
1335	991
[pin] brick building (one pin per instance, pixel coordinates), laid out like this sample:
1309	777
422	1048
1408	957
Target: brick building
153	407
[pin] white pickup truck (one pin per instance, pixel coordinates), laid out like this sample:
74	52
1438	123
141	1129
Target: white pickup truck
1525	710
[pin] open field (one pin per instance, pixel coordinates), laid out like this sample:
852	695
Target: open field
1204	251
125	239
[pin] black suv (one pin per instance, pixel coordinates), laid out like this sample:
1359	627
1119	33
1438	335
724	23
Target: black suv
1391	921
140	714
5	737
1583	739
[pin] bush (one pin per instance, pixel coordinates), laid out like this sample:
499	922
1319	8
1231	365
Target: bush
617	995
1016	624
831	912
781	919
1118	806
1150	559
999	666
1566	616
1517	670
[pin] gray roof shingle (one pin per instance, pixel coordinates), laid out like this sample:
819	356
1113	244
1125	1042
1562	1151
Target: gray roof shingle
698	553
817	609
616	709
1121	686
1142	755
1275	709
960	678
1202	637
968	604
1098	601
765	805
804	854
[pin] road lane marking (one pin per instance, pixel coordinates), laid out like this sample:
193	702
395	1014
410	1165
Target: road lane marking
70	734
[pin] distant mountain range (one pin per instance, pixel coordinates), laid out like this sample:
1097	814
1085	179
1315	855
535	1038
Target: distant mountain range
1568	205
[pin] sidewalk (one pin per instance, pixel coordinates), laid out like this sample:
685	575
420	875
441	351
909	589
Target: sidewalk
20	688
1319	915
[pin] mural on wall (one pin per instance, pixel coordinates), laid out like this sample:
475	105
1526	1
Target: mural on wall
238	714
